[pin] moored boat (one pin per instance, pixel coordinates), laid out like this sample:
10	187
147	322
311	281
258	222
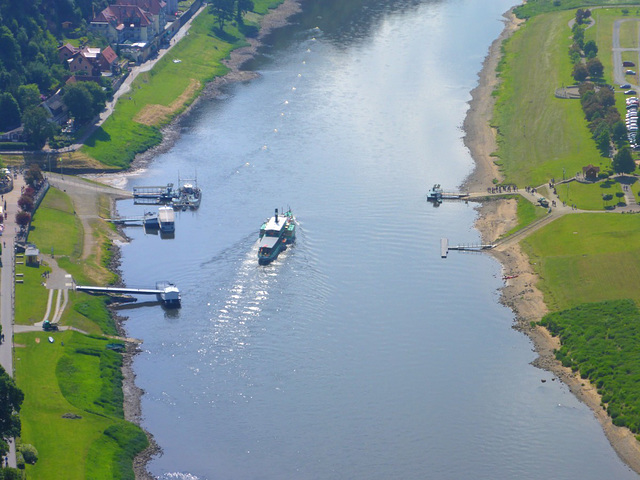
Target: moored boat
276	234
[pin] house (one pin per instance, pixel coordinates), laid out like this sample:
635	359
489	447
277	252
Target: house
92	61
590	172
56	107
67	51
14	135
119	23
107	60
156	11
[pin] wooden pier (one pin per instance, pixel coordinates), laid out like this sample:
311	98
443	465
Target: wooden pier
445	247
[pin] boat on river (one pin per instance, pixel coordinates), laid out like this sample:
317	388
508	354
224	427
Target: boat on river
276	234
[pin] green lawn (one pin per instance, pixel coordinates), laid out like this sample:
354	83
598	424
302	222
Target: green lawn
585	258
536	7
31	296
81	379
55	227
527	213
539	135
590	196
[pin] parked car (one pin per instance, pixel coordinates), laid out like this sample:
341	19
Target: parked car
630	92
630	72
625	85
628	64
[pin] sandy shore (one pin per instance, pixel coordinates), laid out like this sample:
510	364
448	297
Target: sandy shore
520	293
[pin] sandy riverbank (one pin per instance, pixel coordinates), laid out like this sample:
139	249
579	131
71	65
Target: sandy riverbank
496	218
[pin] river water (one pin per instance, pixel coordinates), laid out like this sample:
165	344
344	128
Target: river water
359	353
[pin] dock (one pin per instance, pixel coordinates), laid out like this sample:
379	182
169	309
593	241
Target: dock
187	196
437	195
166	292
445	247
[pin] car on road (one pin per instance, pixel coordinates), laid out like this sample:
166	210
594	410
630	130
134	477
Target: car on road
625	85
630	72
630	92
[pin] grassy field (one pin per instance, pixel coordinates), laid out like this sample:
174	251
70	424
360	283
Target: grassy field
587	258
164	92
76	376
527	213
536	7
540	136
590	196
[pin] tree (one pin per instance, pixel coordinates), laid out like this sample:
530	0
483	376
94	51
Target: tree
623	161
224	10
33	176
78	100
580	72
23	218
37	127
11	398
84	100
603	141
619	134
590	49
243	6
595	67
28	96
25	203
10	117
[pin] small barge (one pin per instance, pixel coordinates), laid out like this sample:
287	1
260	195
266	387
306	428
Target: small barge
187	196
276	234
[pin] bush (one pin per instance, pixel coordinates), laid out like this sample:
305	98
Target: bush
29	453
19	460
13	146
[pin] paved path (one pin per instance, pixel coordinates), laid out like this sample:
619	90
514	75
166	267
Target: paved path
7	286
619	76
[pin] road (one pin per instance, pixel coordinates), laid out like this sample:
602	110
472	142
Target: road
619	76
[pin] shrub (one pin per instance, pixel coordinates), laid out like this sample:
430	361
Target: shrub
29	453
19	460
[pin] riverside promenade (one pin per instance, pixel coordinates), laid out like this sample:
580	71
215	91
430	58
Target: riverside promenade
7	285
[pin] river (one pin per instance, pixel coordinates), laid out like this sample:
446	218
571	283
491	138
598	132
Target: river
359	353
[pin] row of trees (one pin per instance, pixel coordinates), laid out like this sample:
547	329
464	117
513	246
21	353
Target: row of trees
598	101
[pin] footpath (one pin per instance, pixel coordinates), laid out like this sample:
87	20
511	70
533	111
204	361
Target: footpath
7	285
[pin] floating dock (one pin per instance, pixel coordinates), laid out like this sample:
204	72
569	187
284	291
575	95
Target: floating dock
187	196
445	247
166	292
437	195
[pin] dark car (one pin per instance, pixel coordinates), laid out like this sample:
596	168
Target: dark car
625	85
630	92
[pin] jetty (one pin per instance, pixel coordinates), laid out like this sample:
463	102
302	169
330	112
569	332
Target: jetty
187	196
164	220
165	292
445	247
437	195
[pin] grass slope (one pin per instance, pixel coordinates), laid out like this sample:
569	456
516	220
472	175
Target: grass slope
587	258
536	7
539	136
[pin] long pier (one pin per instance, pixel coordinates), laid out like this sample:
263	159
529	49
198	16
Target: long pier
166	292
445	247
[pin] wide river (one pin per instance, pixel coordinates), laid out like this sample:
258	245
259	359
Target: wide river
359	353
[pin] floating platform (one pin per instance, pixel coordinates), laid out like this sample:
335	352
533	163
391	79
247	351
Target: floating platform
437	195
445	247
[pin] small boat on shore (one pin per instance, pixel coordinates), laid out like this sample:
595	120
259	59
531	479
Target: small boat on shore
276	234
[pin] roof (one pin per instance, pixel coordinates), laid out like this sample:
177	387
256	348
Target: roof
109	55
152	6
68	47
31	250
276	226
123	14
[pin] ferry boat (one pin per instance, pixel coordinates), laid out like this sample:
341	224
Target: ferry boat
188	196
276	234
